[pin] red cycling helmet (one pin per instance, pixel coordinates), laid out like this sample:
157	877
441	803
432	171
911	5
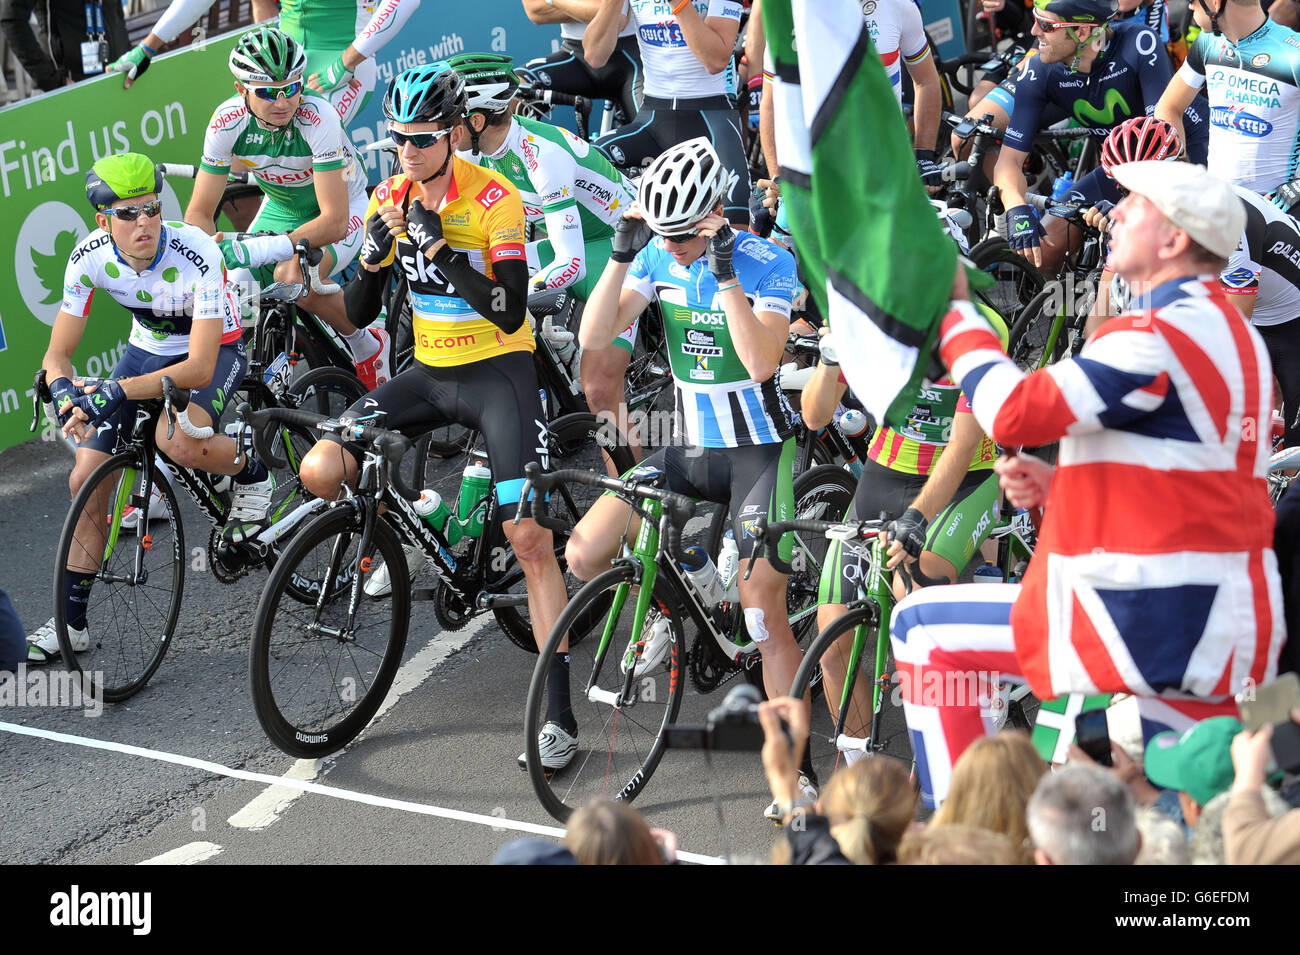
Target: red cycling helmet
1142	137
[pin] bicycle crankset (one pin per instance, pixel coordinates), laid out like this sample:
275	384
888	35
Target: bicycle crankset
229	562
451	611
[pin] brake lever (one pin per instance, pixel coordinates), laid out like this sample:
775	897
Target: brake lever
760	546
170	415
523	499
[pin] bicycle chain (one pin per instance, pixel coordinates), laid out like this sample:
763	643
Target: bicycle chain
450	610
223	573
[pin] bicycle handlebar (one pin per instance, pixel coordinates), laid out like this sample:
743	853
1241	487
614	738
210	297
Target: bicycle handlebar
176	403
1047	204
392	445
678	508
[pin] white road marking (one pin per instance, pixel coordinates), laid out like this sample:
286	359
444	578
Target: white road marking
188	854
348	795
267	806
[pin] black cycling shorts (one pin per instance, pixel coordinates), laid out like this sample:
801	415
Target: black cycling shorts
496	396
214	398
754	481
567	70
663	123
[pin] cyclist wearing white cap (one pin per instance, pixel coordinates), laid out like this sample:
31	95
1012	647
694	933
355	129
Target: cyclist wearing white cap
1158	578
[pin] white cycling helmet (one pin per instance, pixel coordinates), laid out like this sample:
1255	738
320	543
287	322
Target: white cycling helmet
682	186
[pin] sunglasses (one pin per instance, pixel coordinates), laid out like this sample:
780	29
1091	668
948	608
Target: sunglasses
272	93
130	213
1048	25
418	140
681	237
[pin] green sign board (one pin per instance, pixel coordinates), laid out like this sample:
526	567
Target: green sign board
47	144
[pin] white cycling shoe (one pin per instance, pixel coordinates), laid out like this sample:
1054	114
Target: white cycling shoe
249	506
380	582
43	645
555	746
657	642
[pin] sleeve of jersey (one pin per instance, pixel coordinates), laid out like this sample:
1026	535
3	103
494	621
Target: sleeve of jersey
78	288
912	35
775	290
639	273
179	17
724	8
325	135
210	288
1241	277
503	224
1028	108
1118	378
389	17
1192	72
219	140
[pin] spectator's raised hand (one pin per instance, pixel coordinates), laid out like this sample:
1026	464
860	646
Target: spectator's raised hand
1025	479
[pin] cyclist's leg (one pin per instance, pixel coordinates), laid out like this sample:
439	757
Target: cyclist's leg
1061	237
218	454
762	485
1283	344
879	489
959	529
948	673
639	141
362	342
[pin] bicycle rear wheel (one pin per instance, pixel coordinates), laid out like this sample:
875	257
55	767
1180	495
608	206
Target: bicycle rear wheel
1015	280
620	717
130	616
316	681
1030	337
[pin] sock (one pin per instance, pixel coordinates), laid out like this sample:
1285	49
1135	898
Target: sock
252	472
76	598
558	707
363	344
806	766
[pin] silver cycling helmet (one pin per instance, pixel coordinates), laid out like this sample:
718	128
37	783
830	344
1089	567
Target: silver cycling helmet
682	186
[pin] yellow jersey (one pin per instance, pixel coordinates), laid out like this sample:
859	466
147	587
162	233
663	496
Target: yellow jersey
483	217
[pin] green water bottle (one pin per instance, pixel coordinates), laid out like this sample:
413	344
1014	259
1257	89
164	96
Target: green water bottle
471	507
435	512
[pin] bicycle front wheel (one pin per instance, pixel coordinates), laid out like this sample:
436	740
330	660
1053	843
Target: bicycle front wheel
620	715
317	673
822	494
846	650
135	574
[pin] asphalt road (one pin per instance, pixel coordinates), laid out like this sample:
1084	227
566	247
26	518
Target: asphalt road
433	779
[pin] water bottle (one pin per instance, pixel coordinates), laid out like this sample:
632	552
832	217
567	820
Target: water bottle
703	572
434	512
729	567
475	482
852	422
988	574
1062	184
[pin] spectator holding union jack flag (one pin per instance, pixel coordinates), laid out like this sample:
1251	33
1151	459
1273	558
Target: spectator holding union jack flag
1155	573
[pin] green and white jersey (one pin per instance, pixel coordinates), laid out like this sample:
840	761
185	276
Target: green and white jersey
185	283
283	162
718	403
556	171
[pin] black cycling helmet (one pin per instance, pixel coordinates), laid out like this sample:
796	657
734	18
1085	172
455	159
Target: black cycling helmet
434	93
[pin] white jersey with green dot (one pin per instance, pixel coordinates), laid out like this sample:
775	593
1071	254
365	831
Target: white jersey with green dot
185	283
283	162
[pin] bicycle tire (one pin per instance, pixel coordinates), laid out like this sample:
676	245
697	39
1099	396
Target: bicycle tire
821	494
626	746
1027	340
308	705
824	755
1016	282
116	663
573	444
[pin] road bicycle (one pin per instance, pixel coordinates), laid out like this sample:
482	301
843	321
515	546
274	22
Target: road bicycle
629	675
858	640
137	564
324	654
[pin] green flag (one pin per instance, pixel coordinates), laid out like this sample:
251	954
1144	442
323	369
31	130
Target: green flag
1054	726
869	243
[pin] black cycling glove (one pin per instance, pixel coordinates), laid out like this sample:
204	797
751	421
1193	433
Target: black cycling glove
106	399
931	172
910	530
63	392
630	237
423	226
378	243
722	246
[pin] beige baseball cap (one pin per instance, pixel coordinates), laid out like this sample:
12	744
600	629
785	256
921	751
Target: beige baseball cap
1203	206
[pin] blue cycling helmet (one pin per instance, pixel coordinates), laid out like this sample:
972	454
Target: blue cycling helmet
434	93
1079	11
